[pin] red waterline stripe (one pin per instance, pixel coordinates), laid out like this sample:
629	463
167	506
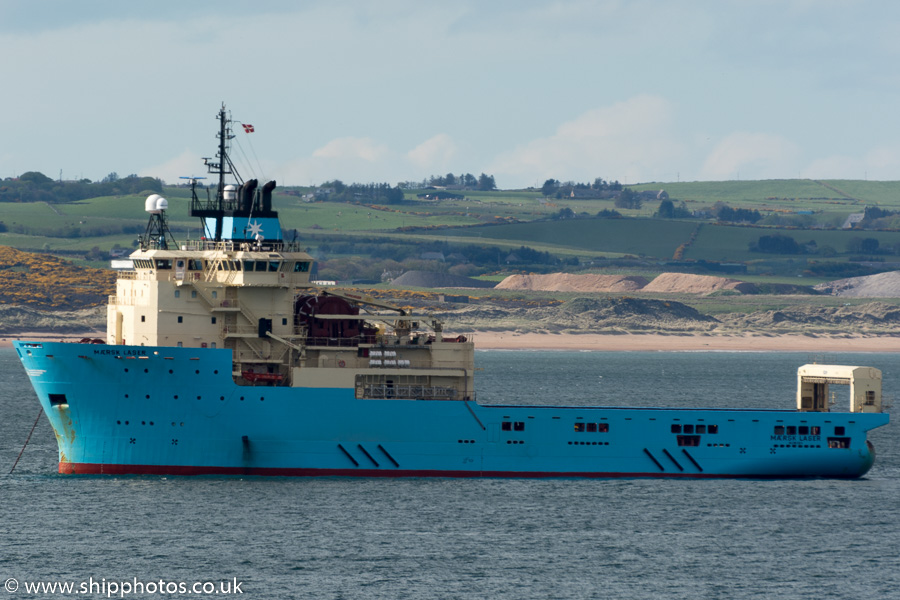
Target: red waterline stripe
114	469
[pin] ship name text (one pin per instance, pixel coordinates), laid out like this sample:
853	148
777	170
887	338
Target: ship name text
123	352
796	438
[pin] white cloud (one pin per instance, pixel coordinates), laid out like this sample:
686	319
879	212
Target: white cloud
880	163
434	154
629	141
747	155
185	164
351	148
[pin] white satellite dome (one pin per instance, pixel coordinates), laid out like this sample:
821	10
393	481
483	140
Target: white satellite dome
230	192
150	203
155	204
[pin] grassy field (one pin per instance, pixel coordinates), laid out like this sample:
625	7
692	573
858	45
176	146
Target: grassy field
510	219
659	238
640	237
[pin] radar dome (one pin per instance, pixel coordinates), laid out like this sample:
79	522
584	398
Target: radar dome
155	204
150	203
230	192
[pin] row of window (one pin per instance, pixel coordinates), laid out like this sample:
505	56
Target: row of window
270	266
688	440
212	319
592	427
512	426
678	428
804	430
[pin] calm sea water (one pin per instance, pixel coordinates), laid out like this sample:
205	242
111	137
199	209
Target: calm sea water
491	538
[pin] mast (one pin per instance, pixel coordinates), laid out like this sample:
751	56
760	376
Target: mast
228	215
221	167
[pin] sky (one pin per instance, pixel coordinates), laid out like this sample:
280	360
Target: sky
399	90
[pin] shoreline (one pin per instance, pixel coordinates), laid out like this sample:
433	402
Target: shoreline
604	342
654	342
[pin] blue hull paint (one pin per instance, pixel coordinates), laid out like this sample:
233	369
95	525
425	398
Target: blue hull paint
136	409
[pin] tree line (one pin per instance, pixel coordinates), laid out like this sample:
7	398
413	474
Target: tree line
370	193
467	181
558	189
784	244
34	186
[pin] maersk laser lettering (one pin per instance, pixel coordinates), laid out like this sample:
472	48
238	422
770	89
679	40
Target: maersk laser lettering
124	351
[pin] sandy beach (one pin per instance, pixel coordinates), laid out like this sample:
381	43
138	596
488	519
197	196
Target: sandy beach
494	340
509	340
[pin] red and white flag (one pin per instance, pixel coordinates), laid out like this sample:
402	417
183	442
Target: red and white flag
248	128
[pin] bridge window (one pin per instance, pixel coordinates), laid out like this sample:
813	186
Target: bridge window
301	266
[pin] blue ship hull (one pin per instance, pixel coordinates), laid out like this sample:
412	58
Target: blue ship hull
165	410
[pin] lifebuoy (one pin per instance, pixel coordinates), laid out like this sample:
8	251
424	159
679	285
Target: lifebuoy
342	364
